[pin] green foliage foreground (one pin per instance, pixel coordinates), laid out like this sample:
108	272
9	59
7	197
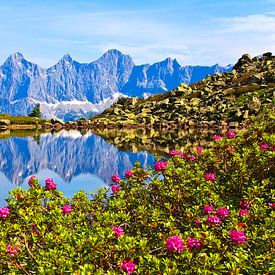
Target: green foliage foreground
178	218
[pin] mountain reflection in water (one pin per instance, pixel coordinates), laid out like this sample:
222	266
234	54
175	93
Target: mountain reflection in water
82	160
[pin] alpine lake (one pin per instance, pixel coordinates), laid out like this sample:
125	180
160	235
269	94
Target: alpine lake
86	160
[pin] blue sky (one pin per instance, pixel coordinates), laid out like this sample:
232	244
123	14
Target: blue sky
194	32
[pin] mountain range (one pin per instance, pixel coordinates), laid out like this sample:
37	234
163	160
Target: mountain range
70	89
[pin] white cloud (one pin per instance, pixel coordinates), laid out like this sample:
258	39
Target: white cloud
251	23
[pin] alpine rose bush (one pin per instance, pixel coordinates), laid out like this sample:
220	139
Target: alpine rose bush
50	185
4	212
115	188
193	243
128	266
175	223
129	173
209	177
160	165
66	209
237	236
222	213
230	134
174	244
208	209
217	137
116	178
244	212
118	231
31	181
264	146
12	250
213	220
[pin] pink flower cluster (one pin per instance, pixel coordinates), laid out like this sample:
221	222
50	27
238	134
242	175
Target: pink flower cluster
217	137
118	231
213	220
115	178
160	165
193	243
182	155
175	153
11	250
174	244
230	134
128	266
4	212
199	149
31	181
244	204
129	173
66	209
237	236
50	185
208	209
209	177
265	146
222	213
115	188
271	205
34	230
244	212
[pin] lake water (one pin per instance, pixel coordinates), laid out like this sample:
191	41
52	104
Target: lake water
82	161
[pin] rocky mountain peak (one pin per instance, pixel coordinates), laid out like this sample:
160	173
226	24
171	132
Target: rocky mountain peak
14	59
24	84
66	58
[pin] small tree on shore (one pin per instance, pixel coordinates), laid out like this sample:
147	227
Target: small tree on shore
36	112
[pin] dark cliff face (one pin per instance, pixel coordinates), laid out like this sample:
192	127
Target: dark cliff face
22	83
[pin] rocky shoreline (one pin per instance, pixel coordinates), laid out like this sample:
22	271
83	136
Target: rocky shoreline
88	124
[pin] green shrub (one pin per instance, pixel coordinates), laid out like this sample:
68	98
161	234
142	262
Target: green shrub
154	212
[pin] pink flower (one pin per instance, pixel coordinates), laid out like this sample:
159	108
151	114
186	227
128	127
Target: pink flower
12	250
50	185
272	205
199	149
272	148
115	188
213	220
128	266
209	177
184	155
192	157
115	178
118	231
174	153
31	181
193	243
230	134
34	231
244	204
174	244
4	212
264	146
244	212
129	173
160	165
66	209
217	137
222	213
208	209
237	236
198	223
